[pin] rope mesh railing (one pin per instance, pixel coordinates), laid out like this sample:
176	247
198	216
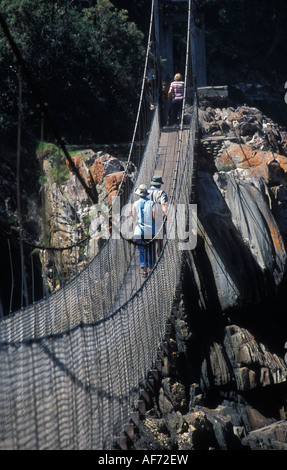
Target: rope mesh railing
88	296
73	364
57	268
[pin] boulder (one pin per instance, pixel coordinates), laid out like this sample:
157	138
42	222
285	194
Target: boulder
152	434
241	217
241	362
244	417
82	168
103	166
115	183
272	437
249	204
243	156
174	392
209	429
240	255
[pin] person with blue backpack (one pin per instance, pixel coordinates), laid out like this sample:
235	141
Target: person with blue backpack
143	211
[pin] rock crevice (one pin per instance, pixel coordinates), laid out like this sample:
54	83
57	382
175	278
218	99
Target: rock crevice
233	374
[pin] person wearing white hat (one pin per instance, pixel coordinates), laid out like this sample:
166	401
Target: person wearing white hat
143	211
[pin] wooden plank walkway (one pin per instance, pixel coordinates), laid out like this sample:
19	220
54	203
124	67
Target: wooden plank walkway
164	167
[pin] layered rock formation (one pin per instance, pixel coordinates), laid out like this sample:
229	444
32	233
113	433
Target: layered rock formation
55	211
238	403
241	201
226	387
225	384
70	215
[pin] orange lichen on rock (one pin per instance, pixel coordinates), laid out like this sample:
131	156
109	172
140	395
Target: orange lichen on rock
81	167
234	116
243	156
104	165
97	168
113	182
105	170
277	239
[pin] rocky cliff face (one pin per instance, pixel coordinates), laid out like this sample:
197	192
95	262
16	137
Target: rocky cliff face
225	387
70	215
241	204
56	213
224	384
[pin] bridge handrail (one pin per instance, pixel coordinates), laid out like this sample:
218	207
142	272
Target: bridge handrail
90	295
95	370
72	369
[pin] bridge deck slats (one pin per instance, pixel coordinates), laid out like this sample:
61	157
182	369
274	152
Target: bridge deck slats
165	167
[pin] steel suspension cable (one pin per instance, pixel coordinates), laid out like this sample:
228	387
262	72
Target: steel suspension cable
141	92
75	387
187	61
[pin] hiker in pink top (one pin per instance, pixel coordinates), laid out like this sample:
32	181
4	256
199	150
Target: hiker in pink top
175	95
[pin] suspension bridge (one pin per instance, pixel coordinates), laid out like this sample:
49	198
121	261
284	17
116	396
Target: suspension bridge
76	365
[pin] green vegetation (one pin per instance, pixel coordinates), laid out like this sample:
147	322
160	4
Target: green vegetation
59	172
87	66
47	149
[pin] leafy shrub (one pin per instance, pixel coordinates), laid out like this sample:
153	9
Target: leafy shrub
86	65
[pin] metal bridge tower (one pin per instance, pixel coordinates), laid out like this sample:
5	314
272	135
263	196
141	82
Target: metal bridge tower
165	26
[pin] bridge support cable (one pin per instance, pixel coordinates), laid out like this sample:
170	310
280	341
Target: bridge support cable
12	276
73	366
24	293
141	130
187	83
166	273
100	280
141	112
